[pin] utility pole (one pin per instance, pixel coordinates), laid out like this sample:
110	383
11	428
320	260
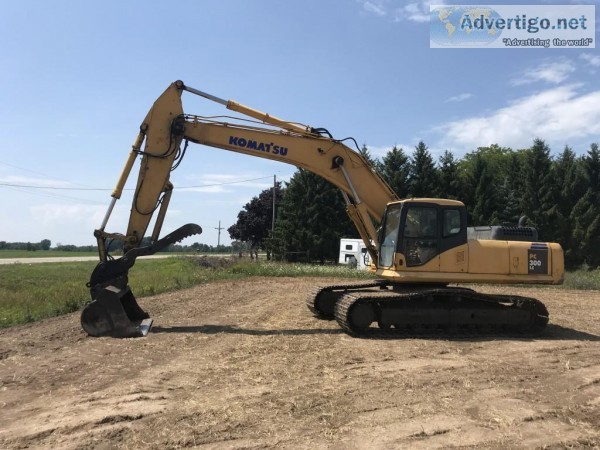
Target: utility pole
274	191
219	235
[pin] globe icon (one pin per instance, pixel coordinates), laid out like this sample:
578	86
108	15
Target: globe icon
464	26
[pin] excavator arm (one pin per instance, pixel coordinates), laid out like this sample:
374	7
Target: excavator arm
113	310
166	126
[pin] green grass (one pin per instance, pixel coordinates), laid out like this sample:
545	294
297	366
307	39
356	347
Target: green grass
275	269
582	279
30	292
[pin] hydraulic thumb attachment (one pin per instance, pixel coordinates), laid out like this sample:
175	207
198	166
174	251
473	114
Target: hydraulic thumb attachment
113	310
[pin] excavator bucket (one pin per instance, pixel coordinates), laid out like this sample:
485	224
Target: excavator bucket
113	310
115	313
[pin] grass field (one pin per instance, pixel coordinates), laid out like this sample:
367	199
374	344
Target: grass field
33	292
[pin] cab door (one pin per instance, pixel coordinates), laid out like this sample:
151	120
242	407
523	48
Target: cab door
420	240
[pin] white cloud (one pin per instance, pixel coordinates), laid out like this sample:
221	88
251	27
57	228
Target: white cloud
413	10
459	97
551	72
591	59
559	114
55	213
67	224
375	6
416	11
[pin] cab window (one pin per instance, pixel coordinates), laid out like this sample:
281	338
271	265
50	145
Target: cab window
389	236
420	235
451	222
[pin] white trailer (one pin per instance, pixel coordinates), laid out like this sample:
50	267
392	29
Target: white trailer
353	252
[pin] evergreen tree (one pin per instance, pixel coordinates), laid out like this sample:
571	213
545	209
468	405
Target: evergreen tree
312	219
586	214
485	205
567	172
540	193
511	188
423	179
365	153
592	167
395	170
509	203
449	180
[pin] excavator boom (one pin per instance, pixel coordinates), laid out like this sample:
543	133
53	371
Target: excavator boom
114	310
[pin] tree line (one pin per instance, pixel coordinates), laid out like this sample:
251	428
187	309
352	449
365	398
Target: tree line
44	244
116	247
559	194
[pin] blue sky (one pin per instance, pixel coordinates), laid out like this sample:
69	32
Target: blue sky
78	78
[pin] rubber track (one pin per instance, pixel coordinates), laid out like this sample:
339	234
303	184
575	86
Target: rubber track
313	296
536	325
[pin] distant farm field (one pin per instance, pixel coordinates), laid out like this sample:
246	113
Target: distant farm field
41	254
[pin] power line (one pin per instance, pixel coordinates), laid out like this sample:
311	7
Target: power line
36	172
51	195
106	189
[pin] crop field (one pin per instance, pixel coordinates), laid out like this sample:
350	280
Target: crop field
239	362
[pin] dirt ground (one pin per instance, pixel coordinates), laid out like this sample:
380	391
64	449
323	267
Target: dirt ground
244	365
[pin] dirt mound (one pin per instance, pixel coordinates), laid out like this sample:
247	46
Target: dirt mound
243	364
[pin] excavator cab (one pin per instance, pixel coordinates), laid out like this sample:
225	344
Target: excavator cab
420	230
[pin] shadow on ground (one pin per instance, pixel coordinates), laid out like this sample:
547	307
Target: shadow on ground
552	333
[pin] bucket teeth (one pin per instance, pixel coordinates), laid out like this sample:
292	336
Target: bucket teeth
115	313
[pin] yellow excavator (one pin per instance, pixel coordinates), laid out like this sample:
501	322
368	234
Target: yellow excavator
419	247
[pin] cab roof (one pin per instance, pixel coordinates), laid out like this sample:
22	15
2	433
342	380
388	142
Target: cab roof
435	201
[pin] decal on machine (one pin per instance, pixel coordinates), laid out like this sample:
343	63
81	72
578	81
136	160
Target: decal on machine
269	147
537	259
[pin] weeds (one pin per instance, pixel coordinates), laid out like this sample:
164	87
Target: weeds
583	279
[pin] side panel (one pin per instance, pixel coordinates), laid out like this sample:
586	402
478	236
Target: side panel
455	260
488	257
530	258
